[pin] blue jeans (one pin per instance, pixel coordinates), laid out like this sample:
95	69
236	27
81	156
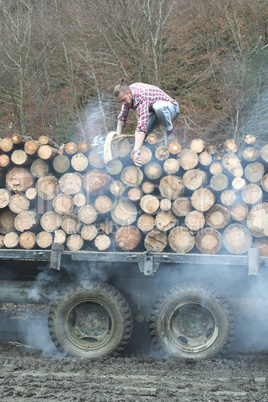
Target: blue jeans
164	113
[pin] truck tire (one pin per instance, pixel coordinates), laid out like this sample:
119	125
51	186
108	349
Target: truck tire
91	321
192	321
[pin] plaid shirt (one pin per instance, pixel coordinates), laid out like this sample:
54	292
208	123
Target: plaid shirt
144	96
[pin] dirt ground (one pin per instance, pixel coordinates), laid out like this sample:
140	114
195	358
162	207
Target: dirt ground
31	369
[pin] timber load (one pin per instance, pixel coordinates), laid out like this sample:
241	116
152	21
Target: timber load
182	199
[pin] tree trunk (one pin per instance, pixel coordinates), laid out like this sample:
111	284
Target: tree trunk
156	241
171	187
61	163
103	204
4	197
74	242
202	199
254	172
132	176
70	223
47	187
208	241
96	182
7	221
239	212
147	187
195	220
149	204
87	214
44	239
26	220
194	178
165	221
146	223
257	220
102	242
39	168
181	240
70	183
153	170
216	168
174	148
251	194
181	206
89	232
197	145
11	240
50	221
31	147
188	159
124	212
114	167
217	217
79	162
134	194
127	238
18	203
162	153
237	239
219	182
228	197
171	166
63	204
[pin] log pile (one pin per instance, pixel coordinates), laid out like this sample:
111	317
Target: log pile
180	200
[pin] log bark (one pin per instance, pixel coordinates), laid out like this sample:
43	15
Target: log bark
217	217
165	221
149	204
146	223
26	220
250	154
102	242
228	197
19	157
153	170
239	212
147	187
181	240
4	197
103	204
156	241
50	221
70	148
132	176
6	144
205	158
237	239
7	221
18	203
195	220
134	194
39	168
216	168
4	160
87	214
208	241
254	172
124	212
219	182
188	159
171	166
70	223
63	204
44	239
181	206
59	236
165	204
262	245
197	145
70	183
96	182
128	238
194	178
61	163
79	162
31	147
89	232
27	240
74	242
11	240
162	153
264	183
2	241
95	159
174	148
117	188
79	199
46	152
202	199
251	194
44	140
171	187
47	187
257	220
114	167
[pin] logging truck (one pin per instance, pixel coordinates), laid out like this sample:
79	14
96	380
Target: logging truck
118	252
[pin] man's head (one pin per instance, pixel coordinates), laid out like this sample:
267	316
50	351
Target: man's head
123	94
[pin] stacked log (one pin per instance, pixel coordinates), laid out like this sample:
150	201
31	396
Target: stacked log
180	200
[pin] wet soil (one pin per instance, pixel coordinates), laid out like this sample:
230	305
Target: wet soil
31	369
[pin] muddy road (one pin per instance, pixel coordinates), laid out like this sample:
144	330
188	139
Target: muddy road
31	369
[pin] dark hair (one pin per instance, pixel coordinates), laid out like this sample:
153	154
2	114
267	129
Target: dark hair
120	88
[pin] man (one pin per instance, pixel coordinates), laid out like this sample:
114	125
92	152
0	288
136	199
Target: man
153	107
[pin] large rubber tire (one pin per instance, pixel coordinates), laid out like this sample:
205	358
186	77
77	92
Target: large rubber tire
90	322
192	321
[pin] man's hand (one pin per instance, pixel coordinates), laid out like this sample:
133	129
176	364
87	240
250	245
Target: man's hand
136	158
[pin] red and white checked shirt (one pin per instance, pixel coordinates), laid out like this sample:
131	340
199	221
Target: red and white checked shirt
144	96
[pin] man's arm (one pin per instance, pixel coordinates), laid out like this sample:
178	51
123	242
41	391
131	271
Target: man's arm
139	138
120	126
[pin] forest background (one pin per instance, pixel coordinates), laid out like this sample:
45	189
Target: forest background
60	60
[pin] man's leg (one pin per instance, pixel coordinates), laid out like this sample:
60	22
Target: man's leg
166	112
